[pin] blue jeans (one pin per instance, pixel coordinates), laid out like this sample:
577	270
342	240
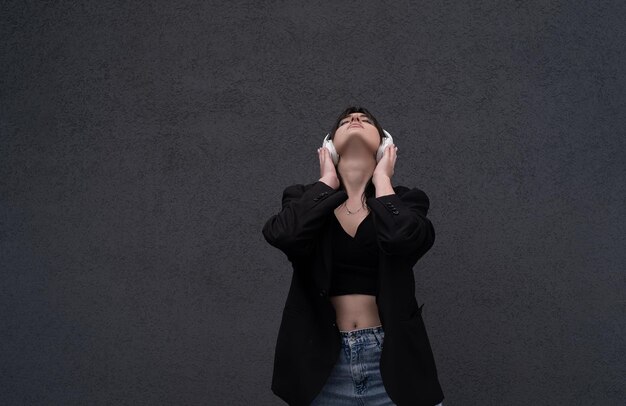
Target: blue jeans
355	378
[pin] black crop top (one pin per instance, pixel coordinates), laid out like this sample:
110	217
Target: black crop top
355	260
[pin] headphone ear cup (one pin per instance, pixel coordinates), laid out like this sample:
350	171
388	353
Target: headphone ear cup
387	140
328	144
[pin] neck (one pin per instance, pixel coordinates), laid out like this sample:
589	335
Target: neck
356	170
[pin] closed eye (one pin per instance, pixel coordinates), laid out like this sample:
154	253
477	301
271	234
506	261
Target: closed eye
342	122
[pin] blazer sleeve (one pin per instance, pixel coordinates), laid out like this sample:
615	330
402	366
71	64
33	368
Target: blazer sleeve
304	208
402	227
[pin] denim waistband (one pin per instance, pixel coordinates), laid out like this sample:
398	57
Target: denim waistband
362	336
362	331
377	329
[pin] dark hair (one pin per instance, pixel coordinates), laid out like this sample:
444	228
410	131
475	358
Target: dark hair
355	109
370	190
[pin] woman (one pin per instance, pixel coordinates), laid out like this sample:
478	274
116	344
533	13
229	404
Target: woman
351	331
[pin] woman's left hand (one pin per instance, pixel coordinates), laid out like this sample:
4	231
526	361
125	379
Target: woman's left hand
385	166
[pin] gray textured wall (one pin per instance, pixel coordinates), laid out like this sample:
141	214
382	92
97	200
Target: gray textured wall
144	145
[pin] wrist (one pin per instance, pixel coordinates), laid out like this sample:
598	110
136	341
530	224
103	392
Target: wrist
333	182
381	180
383	185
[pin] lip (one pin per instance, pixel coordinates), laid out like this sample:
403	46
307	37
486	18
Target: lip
355	125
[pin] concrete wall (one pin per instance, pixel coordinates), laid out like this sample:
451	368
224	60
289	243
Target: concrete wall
144	144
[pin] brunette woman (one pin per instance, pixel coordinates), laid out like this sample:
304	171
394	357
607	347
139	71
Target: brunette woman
351	331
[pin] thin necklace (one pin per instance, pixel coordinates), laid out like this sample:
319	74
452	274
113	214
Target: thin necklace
352	212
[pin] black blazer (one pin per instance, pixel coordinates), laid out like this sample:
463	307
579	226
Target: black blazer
308	341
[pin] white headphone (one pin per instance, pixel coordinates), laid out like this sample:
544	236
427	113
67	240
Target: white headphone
328	144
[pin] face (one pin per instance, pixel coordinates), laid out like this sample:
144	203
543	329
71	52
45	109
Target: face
356	127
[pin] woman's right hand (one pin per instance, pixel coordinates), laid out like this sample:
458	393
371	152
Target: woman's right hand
328	173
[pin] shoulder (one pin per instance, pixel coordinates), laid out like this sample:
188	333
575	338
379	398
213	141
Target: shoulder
297	187
298	190
409	192
413	196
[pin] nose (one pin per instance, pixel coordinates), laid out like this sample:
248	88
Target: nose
353	118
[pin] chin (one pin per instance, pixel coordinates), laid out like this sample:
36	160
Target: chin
368	145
